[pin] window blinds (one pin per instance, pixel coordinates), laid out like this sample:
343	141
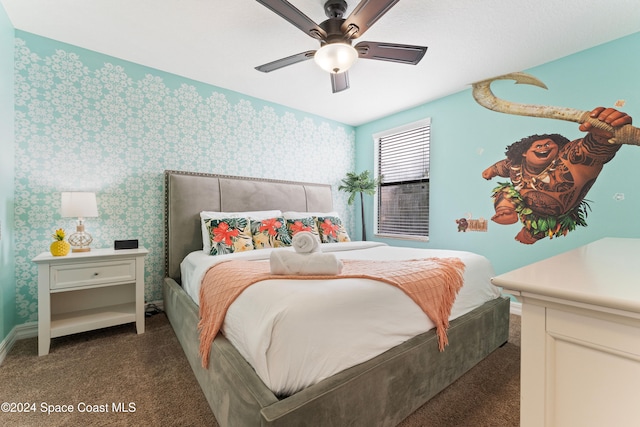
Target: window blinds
403	196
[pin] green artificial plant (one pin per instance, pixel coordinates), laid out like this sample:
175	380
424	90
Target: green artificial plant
361	184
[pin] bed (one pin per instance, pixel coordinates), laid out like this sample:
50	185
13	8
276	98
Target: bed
381	390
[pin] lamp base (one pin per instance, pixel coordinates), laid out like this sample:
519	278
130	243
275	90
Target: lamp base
80	240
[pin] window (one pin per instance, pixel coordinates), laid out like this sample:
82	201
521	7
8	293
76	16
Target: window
401	207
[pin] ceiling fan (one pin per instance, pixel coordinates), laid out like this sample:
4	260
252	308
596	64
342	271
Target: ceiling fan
335	34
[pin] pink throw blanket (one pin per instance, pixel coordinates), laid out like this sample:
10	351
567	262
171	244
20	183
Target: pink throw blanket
432	283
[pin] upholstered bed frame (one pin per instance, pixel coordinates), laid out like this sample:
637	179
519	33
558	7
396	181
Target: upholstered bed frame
381	392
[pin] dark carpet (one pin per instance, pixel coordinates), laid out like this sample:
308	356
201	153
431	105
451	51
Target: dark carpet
114	377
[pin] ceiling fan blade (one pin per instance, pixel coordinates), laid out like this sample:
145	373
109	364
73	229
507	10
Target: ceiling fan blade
339	81
394	52
289	60
294	16
366	13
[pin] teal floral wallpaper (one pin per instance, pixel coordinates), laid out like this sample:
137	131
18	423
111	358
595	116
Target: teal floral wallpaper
89	122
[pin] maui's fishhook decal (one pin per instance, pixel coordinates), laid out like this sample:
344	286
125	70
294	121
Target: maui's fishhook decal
483	95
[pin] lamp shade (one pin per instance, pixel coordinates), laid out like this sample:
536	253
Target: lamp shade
78	204
336	57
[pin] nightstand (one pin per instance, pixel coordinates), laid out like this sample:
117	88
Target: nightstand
89	290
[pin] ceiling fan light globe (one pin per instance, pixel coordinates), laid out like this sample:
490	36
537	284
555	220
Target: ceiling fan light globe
336	57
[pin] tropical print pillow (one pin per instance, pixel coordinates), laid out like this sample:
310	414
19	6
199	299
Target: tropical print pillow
296	225
331	229
206	241
228	235
270	233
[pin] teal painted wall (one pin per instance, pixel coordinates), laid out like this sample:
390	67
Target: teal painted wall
86	121
467	138
7	170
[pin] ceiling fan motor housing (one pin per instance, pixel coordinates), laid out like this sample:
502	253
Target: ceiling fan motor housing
335	8
334	34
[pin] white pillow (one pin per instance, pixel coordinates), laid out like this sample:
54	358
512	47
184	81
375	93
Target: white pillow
206	243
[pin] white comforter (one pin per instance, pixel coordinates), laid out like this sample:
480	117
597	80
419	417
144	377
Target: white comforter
296	333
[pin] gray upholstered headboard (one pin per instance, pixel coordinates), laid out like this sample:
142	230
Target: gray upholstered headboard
189	193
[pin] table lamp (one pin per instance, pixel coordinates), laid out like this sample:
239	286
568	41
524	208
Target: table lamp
80	204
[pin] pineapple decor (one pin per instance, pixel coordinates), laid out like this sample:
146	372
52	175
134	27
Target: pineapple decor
59	247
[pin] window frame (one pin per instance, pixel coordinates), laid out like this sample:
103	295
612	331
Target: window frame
426	122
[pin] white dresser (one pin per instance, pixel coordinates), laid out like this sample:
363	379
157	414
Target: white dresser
89	290
580	336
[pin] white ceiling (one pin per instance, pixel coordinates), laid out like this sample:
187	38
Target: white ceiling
220	43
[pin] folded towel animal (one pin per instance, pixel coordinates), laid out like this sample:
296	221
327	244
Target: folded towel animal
304	242
292	263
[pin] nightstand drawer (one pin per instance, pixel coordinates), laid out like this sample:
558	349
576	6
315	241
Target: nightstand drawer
92	274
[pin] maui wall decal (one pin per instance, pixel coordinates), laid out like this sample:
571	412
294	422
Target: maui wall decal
549	174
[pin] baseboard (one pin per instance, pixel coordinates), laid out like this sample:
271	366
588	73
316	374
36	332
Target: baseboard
150	305
6	344
516	308
158	303
20	332
26	330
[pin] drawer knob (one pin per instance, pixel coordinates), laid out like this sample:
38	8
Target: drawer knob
95	274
